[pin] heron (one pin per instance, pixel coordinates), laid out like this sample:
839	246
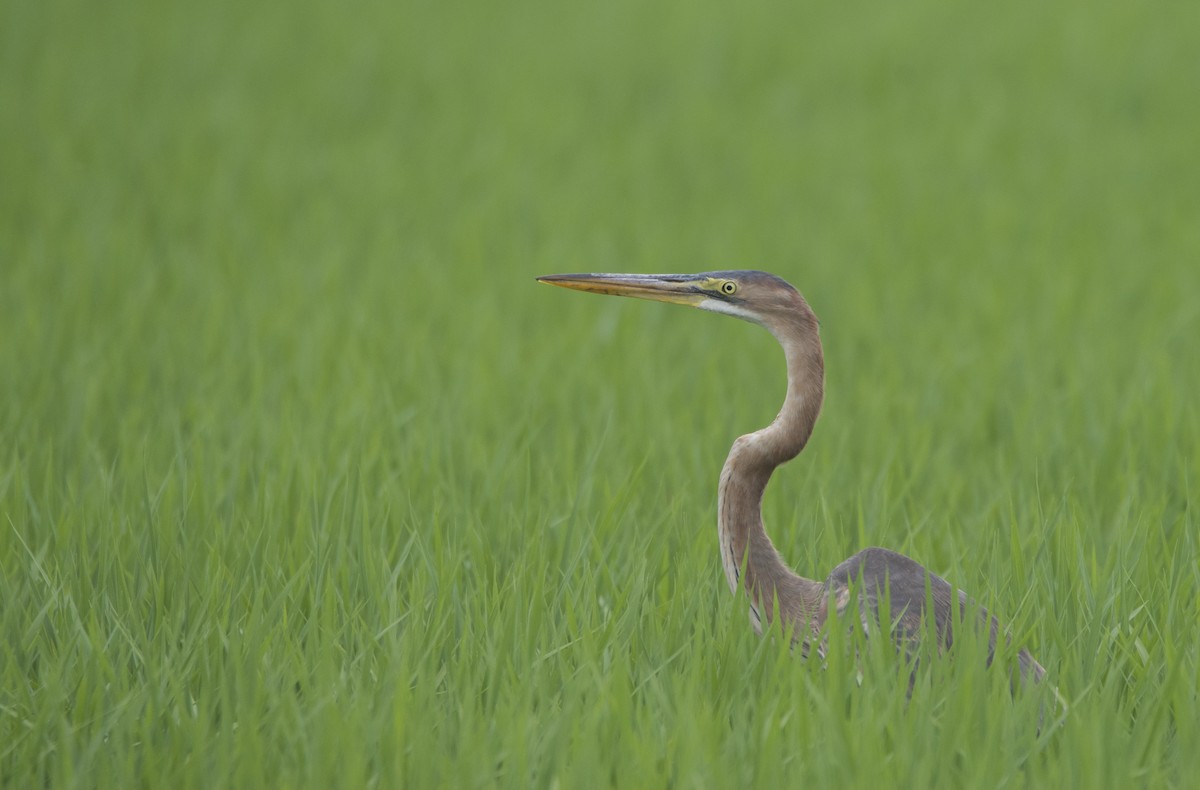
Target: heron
872	580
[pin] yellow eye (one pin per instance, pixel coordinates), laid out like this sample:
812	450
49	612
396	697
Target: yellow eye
728	287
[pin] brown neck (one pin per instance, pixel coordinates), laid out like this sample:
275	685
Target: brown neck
745	548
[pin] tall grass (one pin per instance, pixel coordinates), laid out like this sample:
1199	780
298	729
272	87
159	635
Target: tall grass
303	480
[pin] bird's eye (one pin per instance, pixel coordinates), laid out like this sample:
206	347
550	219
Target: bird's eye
728	287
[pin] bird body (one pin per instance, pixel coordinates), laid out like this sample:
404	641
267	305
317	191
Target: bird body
748	558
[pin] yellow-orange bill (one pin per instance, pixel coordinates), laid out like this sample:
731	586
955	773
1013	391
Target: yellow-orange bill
679	289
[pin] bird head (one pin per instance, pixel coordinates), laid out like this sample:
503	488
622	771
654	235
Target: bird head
754	296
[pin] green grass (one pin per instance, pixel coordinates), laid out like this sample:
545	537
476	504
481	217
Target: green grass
304	481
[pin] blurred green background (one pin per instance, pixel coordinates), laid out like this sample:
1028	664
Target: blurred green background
304	479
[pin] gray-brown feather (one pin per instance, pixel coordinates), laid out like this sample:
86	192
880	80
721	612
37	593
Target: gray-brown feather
879	574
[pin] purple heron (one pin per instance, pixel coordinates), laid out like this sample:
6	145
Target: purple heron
750	560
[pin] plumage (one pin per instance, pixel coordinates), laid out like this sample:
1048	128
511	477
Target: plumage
748	558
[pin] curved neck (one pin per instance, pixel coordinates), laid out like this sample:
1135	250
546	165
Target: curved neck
752	459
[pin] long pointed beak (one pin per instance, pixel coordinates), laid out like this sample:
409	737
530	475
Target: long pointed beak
675	288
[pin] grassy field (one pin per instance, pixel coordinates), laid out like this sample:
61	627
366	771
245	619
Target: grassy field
305	482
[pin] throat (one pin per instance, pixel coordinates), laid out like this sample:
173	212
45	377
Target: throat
739	517
748	556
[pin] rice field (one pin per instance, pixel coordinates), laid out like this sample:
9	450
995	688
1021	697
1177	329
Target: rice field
306	482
